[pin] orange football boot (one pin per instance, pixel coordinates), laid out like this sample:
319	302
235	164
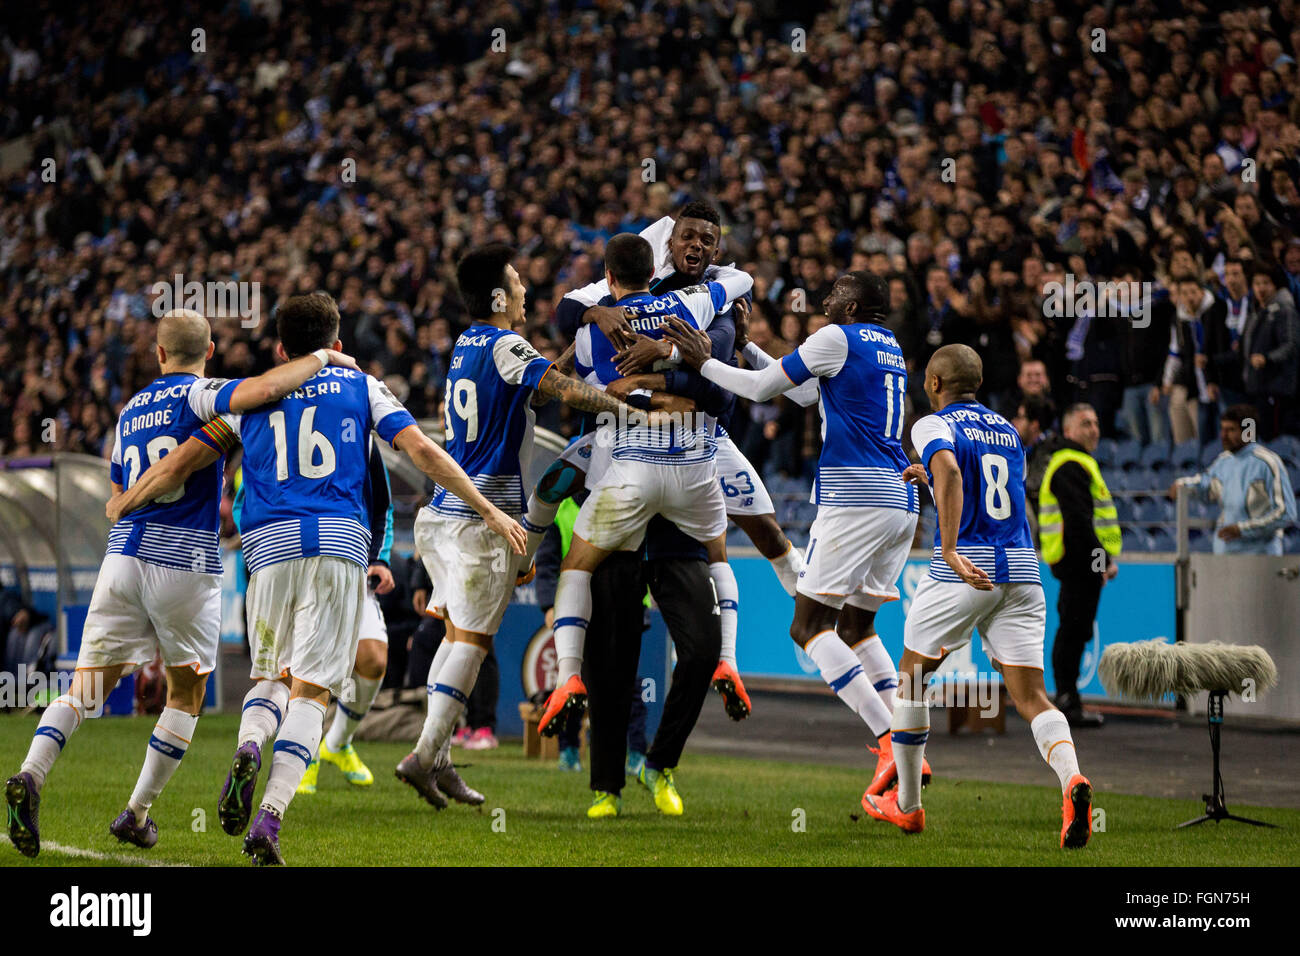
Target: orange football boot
886	770
886	808
734	699
570	696
1076	813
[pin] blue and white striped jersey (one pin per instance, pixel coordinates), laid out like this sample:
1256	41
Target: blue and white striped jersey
695	438
489	422
305	466
863	384
994	533
179	530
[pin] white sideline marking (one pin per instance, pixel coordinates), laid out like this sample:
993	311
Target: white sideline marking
96	855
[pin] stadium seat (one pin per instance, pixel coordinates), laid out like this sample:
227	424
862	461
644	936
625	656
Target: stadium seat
1288	446
1210	452
1124	508
1186	457
1293	470
1105	453
1115	479
1147	510
1134	539
1163	538
1156	453
798	537
1127	453
1291	541
1201	540
1196	508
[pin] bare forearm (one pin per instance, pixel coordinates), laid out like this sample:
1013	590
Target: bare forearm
157	480
948	503
442	468
579	395
275	384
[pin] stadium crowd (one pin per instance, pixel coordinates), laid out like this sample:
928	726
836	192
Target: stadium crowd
973	152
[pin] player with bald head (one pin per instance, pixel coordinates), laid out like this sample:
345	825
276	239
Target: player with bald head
159	588
984	573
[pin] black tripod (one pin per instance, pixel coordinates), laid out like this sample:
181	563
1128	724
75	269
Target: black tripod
1215	807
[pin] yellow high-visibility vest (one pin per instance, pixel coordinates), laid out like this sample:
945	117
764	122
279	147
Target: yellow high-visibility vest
1051	527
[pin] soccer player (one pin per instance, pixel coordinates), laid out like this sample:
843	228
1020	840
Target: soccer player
866	514
984	573
372	643
489	432
656	470
684	251
159	588
306	541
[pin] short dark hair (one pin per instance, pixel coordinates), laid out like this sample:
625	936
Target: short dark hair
306	323
699	209
1239	414
630	260
872	293
1038	408
479	274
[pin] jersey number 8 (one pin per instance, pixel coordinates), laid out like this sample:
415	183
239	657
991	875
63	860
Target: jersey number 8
997	501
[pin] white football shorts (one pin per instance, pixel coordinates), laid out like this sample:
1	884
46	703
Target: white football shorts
630	493
473	570
373	627
1011	620
304	616
139	609
855	555
742	485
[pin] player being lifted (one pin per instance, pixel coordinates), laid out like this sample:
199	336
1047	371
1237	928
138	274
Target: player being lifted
306	541
984	574
684	251
657	470
159	588
489	432
866	514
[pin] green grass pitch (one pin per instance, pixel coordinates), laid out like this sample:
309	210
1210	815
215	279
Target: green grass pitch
738	812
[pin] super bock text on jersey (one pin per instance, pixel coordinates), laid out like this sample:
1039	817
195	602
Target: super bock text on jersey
863	386
994	533
489	421
595	362
305	466
178	530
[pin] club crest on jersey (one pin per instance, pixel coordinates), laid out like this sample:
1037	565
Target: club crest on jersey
524	352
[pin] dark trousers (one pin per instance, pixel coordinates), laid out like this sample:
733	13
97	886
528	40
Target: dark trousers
1076	606
684	593
610	656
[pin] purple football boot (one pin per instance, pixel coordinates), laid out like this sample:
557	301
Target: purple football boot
422	779
263	840
125	829
236	804
24	804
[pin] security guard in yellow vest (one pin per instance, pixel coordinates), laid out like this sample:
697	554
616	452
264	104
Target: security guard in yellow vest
1078	533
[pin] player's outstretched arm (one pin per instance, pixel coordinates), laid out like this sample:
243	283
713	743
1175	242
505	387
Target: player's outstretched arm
948	502
162	478
756	385
578	394
442	468
653	390
280	381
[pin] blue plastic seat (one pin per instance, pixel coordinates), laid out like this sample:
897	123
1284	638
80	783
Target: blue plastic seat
1157	452
1163	538
1210	452
1201	541
1196	508
1127	453
1291	541
1124	509
1288	446
1186	457
1105	453
1115	480
1145	510
1134	539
